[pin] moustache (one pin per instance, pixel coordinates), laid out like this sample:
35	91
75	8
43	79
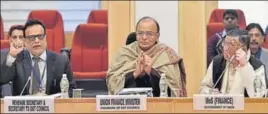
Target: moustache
254	42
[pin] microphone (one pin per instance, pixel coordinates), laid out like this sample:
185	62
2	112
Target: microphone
25	85
231	60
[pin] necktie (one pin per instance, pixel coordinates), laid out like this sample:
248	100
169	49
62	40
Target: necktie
36	71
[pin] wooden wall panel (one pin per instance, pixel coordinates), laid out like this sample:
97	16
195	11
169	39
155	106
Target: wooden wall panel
120	24
193	17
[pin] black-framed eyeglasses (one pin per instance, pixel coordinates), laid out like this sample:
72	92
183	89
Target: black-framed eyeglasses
16	37
39	36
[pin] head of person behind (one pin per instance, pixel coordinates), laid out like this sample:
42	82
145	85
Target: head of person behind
235	40
266	33
257	37
35	37
147	33
131	38
16	37
230	19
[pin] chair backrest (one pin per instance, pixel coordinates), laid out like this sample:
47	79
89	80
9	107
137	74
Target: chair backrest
1	29
98	16
217	17
90	48
131	38
213	28
4	44
54	27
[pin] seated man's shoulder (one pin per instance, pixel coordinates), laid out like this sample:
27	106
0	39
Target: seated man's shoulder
218	57
215	36
265	51
58	56
4	51
256	63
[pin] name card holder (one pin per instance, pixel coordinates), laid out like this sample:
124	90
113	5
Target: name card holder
29	104
121	102
218	102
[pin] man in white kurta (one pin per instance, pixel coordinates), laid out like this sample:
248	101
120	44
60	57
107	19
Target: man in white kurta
236	79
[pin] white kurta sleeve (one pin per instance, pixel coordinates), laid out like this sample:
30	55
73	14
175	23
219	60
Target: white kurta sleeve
248	75
207	82
10	60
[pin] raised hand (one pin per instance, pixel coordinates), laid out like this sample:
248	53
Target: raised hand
15	49
241	56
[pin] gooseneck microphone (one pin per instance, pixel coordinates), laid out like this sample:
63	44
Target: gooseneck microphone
29	79
231	60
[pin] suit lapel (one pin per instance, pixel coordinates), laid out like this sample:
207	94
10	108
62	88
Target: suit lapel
27	67
50	70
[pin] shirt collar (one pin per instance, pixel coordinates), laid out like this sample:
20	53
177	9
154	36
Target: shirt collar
43	56
258	54
223	33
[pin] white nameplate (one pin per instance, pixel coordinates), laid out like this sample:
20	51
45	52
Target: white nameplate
218	102
29	104
121	102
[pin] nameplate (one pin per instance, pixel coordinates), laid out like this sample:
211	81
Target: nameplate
29	104
121	102
218	102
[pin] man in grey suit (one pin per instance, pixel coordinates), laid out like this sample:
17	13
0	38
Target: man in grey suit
16	39
35	67
257	38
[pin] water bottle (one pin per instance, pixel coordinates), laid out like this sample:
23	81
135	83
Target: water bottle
163	86
64	86
257	86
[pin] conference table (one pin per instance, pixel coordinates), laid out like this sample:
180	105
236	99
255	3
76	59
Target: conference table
154	105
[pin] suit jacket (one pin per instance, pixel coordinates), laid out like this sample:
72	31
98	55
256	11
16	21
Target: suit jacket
5	90
20	70
264	60
213	46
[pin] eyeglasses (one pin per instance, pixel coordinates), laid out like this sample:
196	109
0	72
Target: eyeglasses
39	36
16	37
232	44
148	34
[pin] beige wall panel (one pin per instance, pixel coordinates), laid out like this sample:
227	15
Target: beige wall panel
193	16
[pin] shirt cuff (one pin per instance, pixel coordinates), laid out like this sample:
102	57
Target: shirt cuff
10	60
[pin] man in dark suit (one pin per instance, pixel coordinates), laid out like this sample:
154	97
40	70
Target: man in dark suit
16	39
43	66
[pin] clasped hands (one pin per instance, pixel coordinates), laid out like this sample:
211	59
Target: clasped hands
143	64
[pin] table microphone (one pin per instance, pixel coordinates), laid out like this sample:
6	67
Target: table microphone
29	78
231	60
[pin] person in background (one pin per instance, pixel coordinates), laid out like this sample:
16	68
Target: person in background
43	66
257	38
140	63
214	46
16	39
234	71
266	34
131	38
